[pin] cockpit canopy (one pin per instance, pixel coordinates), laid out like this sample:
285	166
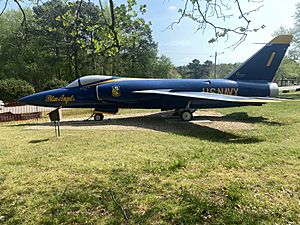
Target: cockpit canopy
88	80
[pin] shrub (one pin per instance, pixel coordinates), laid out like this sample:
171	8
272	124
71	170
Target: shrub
13	89
55	83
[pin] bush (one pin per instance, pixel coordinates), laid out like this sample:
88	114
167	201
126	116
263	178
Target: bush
55	83
13	89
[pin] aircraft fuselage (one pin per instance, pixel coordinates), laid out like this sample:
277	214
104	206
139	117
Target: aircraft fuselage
119	93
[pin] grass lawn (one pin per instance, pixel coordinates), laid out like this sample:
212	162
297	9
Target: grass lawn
185	174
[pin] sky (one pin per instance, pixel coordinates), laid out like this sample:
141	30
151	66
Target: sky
183	44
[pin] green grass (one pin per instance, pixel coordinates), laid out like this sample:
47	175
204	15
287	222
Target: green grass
188	175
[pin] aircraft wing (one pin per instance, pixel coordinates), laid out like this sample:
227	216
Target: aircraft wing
209	96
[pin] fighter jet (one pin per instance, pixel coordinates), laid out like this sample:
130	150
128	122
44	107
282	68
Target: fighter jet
250	84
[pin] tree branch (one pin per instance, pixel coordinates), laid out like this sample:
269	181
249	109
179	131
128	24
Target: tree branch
24	21
203	12
119	205
78	10
113	23
182	12
5	5
102	12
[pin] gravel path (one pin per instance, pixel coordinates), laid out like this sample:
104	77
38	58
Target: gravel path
161	122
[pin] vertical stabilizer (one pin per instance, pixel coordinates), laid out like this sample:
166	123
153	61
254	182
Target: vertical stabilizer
263	64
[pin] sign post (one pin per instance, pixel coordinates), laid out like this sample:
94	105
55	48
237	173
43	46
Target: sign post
55	116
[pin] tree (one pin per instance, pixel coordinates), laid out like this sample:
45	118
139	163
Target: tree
53	84
13	89
295	48
205	13
225	68
16	54
216	14
163	68
67	40
288	69
195	69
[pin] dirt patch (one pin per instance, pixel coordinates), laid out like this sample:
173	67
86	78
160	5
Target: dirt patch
161	122
219	121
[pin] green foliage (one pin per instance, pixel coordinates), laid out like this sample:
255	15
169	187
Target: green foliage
66	40
225	68
289	68
163	67
13	89
196	70
294	50
55	83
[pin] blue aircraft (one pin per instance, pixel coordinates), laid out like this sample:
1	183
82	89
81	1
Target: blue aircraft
249	84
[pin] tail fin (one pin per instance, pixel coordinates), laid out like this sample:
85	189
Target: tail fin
263	64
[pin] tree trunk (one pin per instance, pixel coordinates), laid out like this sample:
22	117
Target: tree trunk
76	66
57	63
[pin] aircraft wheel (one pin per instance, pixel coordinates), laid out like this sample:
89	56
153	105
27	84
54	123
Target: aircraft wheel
186	115
98	117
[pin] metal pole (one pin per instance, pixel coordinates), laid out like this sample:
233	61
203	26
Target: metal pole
58	129
55	128
215	67
215	64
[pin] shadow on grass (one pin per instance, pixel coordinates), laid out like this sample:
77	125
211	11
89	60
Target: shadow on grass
164	122
126	199
38	141
243	117
95	201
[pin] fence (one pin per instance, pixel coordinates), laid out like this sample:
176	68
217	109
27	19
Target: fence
16	111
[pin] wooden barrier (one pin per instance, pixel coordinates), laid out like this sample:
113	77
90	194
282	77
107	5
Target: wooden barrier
8	116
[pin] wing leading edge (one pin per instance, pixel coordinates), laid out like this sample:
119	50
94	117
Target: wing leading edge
210	96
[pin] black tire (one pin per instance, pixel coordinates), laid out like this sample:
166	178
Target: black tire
98	117
186	115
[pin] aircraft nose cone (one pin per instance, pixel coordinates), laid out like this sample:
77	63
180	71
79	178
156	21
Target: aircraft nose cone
51	98
33	99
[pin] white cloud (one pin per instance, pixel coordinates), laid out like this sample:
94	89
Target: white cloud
172	8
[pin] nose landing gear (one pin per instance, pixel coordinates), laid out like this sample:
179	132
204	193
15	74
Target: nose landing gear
98	116
98	113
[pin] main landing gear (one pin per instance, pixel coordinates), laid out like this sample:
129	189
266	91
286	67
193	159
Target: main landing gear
185	114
